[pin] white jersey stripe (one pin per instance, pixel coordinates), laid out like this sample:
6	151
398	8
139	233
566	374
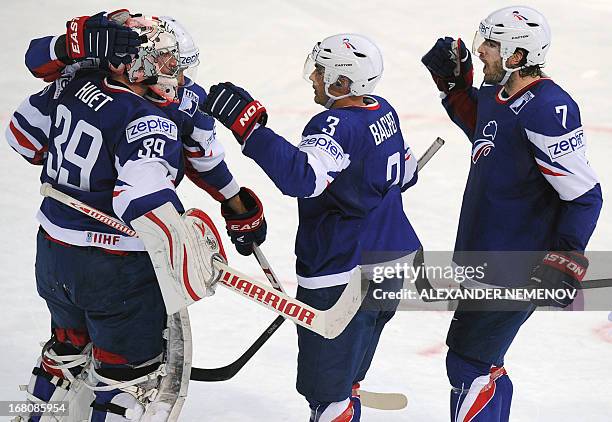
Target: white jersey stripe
34	144
34	117
231	189
114	242
12	140
568	150
325	156
325	280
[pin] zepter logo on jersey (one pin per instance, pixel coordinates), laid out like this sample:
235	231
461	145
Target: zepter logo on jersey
150	125
324	143
483	146
565	144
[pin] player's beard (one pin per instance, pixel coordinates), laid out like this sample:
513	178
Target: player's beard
494	72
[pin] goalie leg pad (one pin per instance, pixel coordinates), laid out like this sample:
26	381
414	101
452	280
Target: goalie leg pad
151	392
59	377
182	250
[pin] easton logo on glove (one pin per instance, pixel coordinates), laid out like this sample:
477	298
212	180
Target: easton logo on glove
563	263
74	37
247	225
247	115
235	109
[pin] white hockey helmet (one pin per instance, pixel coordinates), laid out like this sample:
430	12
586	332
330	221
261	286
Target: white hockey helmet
189	51
351	55
157	61
516	27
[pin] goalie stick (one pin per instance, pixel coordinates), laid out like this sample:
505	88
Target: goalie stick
329	323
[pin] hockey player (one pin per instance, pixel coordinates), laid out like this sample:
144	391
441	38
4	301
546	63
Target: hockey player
348	173
530	188
49	58
101	142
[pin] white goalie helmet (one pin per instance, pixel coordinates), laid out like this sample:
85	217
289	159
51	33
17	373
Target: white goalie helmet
516	27
157	61
351	55
189	51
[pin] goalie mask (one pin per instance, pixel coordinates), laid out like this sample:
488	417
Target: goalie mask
157	61
353	56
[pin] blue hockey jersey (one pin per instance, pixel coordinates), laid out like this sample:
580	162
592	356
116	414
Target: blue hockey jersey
530	186
203	153
104	145
348	172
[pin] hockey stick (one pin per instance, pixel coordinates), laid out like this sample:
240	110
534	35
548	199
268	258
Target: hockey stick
329	323
433	148
228	371
376	400
383	401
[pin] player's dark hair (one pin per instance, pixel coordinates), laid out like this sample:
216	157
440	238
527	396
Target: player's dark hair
535	70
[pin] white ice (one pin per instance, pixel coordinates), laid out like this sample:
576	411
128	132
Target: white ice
559	362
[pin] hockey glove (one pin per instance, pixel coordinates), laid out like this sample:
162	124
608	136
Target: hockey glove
559	271
99	36
246	228
450	65
235	109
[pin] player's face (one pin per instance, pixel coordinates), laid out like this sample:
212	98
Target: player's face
318	85
168	65
488	53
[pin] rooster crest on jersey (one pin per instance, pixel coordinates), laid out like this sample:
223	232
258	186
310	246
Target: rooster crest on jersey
483	146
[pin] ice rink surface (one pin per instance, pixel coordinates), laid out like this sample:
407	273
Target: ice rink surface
559	362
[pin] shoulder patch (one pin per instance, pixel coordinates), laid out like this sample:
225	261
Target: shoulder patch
324	143
189	102
150	125
521	102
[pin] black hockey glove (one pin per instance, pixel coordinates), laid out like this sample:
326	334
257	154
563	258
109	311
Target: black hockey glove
450	65
235	109
248	227
99	36
559	271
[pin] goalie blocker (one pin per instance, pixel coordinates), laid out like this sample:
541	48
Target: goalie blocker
182	250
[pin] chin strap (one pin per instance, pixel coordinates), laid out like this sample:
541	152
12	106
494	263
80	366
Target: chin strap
509	73
331	99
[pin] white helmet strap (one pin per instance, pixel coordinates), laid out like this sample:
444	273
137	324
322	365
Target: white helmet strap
333	98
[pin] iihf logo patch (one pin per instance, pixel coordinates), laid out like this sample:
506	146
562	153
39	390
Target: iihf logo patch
189	102
521	102
483	146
